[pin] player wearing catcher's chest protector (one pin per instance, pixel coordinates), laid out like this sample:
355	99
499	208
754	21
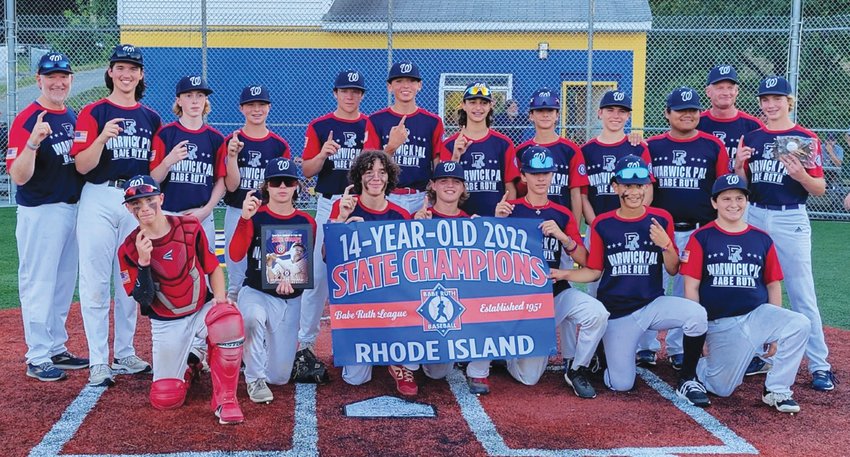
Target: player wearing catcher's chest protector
411	134
271	316
780	184
246	153
629	248
39	162
732	270
186	159
169	269
112	143
561	246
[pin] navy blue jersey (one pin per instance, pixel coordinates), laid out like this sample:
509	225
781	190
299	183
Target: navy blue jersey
126	155
247	239
424	144
252	160
729	131
392	212
630	262
600	159
770	183
734	269
552	247
488	164
437	215
352	136
684	172
571	171
54	178
189	182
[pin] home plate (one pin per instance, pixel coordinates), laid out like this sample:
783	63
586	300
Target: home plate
387	406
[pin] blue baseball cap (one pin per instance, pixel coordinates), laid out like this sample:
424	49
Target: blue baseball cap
404	69
140	186
478	89
774	85
54	62
192	82
722	73
544	98
538	159
127	53
280	167
616	98
350	79
683	98
256	93
631	169
728	182
448	170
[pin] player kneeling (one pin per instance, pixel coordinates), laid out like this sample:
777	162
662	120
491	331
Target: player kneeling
271	316
732	269
572	306
167	266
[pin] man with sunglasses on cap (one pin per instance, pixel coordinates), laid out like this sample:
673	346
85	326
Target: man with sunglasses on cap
731	268
685	163
411	134
573	308
331	144
169	269
39	162
112	143
629	248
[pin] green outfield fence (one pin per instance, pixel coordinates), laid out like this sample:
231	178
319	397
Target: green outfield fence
647	47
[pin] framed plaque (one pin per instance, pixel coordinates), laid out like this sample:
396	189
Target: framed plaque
287	253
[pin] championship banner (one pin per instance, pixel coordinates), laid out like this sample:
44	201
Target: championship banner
439	290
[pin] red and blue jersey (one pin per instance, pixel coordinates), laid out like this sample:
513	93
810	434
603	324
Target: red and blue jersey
392	212
126	155
189	182
630	262
437	215
251	161
353	136
571	171
684	172
488	164
734	269
770	183
552	247
599	158
54	178
729	131
248	240
424	144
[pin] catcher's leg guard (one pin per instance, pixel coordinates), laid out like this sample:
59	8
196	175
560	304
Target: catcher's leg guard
225	335
168	393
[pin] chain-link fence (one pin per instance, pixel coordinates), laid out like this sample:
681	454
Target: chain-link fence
296	48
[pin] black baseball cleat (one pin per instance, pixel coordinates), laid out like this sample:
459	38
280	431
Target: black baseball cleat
577	379
692	391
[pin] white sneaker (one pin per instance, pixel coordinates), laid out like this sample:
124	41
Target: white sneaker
101	376
782	402
259	391
130	365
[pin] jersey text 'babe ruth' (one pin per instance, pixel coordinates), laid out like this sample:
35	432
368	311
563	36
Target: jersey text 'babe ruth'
175	277
779	186
112	143
186	159
731	269
40	164
271	316
561	246
629	248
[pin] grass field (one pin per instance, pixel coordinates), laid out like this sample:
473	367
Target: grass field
830	253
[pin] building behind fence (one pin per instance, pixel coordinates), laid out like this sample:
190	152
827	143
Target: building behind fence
296	48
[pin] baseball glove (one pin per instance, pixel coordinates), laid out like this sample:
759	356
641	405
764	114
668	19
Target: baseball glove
308	369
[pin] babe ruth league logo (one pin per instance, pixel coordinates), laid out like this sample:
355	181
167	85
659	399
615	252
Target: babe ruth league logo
350	139
69	129
477	160
608	163
734	253
449	166
192	149
632	241
255	90
440	310
195	80
130	126
679	157
255	158
768	151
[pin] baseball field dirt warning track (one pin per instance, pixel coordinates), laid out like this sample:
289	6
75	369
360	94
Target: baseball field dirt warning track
68	418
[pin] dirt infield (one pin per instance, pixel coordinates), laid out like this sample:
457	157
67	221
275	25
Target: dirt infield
65	418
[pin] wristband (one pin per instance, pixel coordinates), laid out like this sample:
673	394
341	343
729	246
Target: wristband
575	246
667	247
32	146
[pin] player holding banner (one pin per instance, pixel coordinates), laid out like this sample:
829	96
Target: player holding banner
169	269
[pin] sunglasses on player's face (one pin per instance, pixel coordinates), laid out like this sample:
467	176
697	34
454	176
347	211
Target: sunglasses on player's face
631	173
288	182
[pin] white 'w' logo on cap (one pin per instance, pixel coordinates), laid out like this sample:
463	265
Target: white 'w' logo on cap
405	67
732	180
724	70
256	90
449	166
353	77
544	94
619	96
137	182
687	95
195	80
55	58
128	48
283	165
770	82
